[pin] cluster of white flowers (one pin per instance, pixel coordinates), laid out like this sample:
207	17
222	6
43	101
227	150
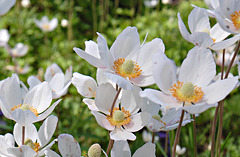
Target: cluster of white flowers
116	99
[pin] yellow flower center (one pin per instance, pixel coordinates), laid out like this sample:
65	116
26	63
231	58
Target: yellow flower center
127	69
186	92
120	117
46	27
34	145
235	17
25	107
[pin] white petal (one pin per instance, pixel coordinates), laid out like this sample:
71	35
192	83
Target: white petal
51	71
143	81
201	39
198	68
164	72
33	81
6	5
102	120
182	28
219	89
119	80
198	108
126	42
93	60
39	97
105	95
86	85
225	43
22	151
217	33
50	153
46	130
24	118
68	75
147	150
120	149
138	121
57	82
91	104
68	146
101	77
121	134
6	142
30	133
92	48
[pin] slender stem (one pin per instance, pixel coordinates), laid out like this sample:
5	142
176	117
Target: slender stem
213	131
23	134
195	135
166	143
114	101
110	145
153	135
232	60
177	135
220	125
94	13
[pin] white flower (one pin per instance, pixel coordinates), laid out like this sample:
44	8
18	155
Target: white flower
36	140
201	32
147	136
45	25
121	149
151	3
179	150
18	69
25	108
6	141
64	22
125	119
25	3
192	86
227	15
19	50
6	5
127	61
58	82
4	37
166	1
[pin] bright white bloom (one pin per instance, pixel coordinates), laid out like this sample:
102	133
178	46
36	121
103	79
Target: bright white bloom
58	82
45	25
64	22
179	150
192	85
151	3
6	5
4	37
6	141
25	3
227	14
19	50
121	149
67	146
201	32
127	61
125	119
25	108
36	140
147	136
166	1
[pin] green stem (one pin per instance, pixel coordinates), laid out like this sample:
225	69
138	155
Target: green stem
195	135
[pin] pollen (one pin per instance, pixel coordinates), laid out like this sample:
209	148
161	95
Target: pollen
127	68
186	92
235	17
25	107
120	117
34	145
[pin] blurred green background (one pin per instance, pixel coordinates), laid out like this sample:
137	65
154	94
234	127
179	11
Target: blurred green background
85	18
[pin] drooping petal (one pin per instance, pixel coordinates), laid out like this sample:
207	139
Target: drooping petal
219	89
138	121
121	134
102	120
147	149
30	133
164	72
198	68
39	97
24	118
86	85
68	146
46	130
120	149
